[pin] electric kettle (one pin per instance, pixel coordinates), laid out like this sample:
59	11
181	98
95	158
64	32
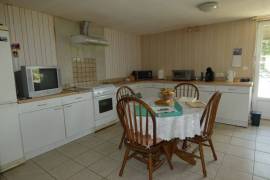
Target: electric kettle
230	76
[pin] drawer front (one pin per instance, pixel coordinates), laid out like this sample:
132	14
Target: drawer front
206	88
233	89
76	98
39	105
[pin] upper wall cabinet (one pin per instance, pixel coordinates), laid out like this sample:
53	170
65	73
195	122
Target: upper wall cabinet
34	31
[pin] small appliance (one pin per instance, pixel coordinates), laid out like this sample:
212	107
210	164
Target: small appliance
230	76
209	75
183	75
35	81
142	75
161	74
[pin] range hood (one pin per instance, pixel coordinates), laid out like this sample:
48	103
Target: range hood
84	38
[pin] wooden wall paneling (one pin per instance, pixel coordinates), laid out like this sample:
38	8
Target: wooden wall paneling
34	31
200	47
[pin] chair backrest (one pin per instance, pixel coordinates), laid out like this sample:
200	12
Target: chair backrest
138	120
186	90
124	91
209	115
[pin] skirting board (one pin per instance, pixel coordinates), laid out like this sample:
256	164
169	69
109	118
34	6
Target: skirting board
11	165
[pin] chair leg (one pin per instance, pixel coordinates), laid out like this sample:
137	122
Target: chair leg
184	146
212	148
124	162
202	159
122	140
166	152
150	166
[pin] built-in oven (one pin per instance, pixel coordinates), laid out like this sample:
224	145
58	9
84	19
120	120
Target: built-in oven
104	105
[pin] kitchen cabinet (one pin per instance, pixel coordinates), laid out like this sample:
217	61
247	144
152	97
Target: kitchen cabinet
42	127
79	115
234	107
206	92
11	152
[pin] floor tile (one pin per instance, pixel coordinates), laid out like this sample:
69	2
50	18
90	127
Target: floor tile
263	147
85	174
241	152
263	132
27	171
66	170
221	138
263	139
88	158
262	170
104	166
245	135
250	144
50	160
106	148
258	178
262	157
90	141
128	174
238	164
229	174
73	149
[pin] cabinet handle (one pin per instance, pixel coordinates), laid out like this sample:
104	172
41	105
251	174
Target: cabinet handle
42	104
231	89
68	106
79	98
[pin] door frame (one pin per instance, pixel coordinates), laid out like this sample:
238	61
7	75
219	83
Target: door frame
257	55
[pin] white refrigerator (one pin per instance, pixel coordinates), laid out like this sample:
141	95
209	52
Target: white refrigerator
11	152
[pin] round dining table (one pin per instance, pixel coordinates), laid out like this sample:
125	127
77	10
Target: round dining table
173	128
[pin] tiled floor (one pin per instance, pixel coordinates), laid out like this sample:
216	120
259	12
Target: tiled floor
243	154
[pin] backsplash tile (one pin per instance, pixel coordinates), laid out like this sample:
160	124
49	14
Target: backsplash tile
84	72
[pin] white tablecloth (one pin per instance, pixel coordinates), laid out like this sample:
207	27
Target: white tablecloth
186	125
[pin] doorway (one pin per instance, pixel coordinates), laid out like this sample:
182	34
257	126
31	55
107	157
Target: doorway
261	99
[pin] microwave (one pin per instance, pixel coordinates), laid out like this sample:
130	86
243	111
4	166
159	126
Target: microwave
183	75
142	75
35	81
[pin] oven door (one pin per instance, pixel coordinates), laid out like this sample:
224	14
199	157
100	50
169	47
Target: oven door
104	106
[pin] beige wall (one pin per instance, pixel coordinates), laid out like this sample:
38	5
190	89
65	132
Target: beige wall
67	51
34	31
200	47
2	16
123	55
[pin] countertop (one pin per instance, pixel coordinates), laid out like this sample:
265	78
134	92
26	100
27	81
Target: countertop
220	83
65	92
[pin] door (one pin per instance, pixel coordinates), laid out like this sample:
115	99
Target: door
78	117
10	138
42	128
7	82
261	99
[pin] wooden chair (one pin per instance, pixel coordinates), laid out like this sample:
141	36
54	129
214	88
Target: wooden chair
123	91
139	122
186	90
207	124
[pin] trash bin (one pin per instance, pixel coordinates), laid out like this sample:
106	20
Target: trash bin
255	118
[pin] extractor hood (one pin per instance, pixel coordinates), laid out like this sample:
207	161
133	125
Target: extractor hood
84	38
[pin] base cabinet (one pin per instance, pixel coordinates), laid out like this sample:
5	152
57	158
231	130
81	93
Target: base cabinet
41	128
11	151
79	117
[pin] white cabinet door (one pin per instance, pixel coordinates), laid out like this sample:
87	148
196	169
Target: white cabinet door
42	128
79	117
10	138
205	96
234	109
